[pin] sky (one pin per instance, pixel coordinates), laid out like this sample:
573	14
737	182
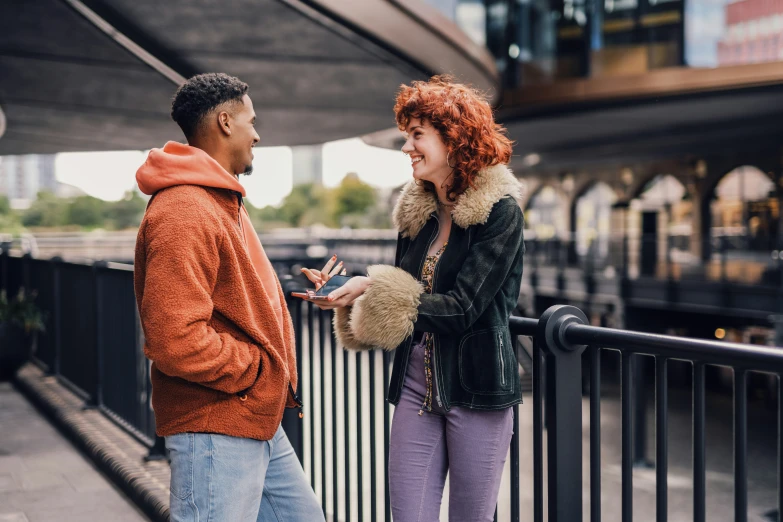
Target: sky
108	175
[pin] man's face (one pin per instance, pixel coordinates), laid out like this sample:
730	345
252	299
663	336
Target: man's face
243	137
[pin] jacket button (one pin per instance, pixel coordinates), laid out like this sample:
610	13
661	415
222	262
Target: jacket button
243	397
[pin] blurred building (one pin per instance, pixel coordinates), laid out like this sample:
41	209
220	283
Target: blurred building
754	33
648	136
307	164
22	177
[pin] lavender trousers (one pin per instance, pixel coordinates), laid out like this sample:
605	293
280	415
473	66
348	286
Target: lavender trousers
469	444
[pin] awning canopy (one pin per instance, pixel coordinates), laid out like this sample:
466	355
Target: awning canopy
78	75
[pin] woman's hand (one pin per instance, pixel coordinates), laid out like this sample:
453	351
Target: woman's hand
320	277
346	294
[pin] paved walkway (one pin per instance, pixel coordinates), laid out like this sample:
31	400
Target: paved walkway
44	479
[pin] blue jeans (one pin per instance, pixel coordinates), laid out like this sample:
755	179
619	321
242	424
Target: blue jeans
217	478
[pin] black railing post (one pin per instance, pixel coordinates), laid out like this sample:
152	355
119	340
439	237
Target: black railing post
157	451
26	282
97	267
292	424
56	333
564	401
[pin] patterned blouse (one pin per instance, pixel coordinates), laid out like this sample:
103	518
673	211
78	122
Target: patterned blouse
427	273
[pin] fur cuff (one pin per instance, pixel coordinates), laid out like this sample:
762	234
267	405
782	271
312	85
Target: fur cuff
342	330
384	316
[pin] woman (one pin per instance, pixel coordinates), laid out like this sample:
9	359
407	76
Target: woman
444	306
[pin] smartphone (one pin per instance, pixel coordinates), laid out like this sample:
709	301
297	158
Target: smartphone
309	297
322	294
333	283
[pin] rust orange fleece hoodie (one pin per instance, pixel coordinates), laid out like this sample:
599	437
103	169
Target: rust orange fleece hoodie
216	329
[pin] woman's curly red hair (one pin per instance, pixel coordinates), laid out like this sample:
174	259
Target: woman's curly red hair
464	119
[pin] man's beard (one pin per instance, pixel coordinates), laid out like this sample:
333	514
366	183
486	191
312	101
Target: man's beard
248	170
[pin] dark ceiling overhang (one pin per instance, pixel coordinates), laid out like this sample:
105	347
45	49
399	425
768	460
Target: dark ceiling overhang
661	115
79	75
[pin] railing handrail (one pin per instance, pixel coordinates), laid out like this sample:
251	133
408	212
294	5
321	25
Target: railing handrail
760	358
523	325
563	340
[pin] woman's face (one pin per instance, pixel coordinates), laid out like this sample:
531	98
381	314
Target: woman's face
427	152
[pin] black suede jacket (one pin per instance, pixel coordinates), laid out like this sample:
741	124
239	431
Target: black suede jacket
476	285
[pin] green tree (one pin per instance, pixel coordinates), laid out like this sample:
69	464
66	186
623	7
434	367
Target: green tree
352	198
307	204
265	218
127	212
9	219
5	206
86	211
46	211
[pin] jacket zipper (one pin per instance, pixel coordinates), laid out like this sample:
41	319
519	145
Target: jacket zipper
502	362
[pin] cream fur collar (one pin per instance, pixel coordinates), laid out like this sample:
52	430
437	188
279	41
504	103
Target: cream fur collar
415	204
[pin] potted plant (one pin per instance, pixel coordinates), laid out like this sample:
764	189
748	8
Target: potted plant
20	321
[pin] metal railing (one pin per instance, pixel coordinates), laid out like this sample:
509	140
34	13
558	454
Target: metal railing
94	346
719	258
93	341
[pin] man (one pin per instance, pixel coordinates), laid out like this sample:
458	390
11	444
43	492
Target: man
217	330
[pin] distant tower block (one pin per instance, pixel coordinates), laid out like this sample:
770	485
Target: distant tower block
21	177
308	164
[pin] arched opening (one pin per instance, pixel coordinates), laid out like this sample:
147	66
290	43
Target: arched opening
545	220
544	214
661	223
744	225
592	224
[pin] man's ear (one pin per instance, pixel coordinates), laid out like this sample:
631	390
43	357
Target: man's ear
224	122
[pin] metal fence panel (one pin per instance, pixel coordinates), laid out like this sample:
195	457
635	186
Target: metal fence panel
78	364
123	365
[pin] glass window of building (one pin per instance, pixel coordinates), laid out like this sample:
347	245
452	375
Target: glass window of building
540	41
730	32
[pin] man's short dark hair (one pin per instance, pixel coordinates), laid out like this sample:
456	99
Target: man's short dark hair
200	95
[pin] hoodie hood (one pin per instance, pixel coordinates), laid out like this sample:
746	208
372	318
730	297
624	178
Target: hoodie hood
178	164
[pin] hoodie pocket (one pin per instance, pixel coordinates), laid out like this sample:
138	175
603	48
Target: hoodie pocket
487	364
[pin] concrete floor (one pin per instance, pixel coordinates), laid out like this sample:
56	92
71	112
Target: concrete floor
43	478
